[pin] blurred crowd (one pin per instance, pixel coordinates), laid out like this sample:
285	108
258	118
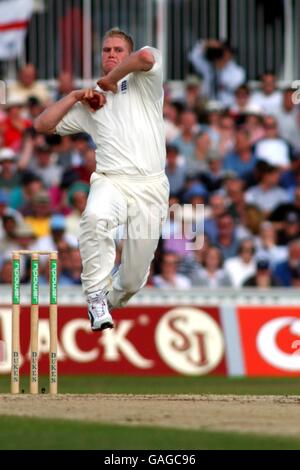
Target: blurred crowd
230	148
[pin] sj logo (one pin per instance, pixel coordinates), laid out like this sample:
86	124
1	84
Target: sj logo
189	341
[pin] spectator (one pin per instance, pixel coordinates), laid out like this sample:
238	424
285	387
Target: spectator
227	134
267	246
44	166
263	277
212	177
57	234
77	195
290	228
241	103
226	237
272	148
6	211
288	119
193	99
214	61
267	194
217	207
254	124
39	217
84	171
21	196
171	119
6	272
9	177
212	274
175	172
185	142
242	160
65	85
203	146
284	271
14	125
241	267
27	86
268	99
168	277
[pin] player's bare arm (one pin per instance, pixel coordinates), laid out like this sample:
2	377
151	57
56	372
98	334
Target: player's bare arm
47	121
141	60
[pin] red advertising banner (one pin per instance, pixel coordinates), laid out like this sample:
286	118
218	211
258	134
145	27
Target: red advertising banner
270	339
145	341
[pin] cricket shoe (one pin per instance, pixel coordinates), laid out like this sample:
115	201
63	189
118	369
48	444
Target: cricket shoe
98	311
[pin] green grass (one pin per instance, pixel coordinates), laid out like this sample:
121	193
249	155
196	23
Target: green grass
39	434
153	385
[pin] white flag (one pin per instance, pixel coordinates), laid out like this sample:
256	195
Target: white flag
14	20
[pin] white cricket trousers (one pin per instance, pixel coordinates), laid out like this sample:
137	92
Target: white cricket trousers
139	202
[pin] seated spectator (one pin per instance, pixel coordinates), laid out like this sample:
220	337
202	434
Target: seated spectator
290	228
14	126
267	195
57	235
254	124
212	176
272	148
193	98
217	207
284	271
268	98
203	146
267	246
6	211
168	277
73	273
227	134
43	165
241	103
235	196
27	86
39	217
83	171
185	142
9	176
212	274
64	86
77	195
175	172
226	238
241	267
288	119
242	160
6	272
263	277
21	196
214	61
171	119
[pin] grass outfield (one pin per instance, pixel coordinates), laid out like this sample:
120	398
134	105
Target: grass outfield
168	385
42	434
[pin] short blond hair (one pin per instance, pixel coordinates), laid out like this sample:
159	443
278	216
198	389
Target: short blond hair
117	32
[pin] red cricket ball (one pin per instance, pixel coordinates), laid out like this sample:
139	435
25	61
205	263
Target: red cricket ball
95	102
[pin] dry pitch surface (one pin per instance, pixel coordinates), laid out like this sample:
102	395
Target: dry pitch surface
273	415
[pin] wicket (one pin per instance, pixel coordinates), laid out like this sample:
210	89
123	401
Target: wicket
34	321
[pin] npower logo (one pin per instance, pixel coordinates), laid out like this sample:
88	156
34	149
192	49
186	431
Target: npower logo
269	348
189	341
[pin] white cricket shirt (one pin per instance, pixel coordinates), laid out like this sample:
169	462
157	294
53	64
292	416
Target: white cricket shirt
129	130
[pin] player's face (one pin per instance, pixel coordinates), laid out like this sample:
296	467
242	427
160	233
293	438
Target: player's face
114	51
